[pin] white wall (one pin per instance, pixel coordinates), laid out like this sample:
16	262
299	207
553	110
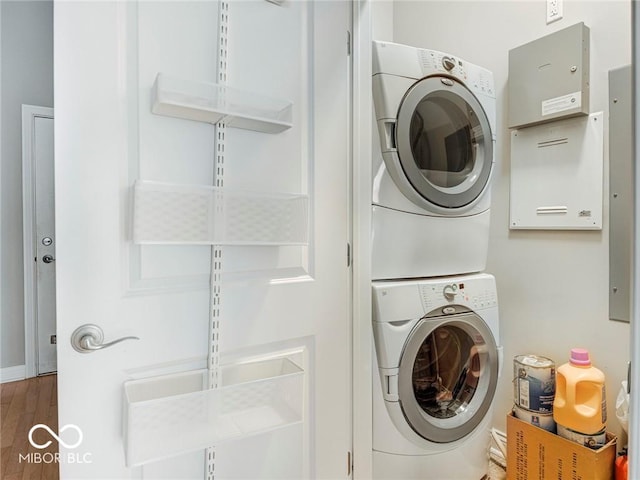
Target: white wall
382	20
27	77
552	286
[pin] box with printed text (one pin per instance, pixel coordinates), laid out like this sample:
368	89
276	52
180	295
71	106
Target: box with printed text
534	453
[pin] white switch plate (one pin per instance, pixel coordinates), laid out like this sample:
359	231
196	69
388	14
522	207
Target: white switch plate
554	10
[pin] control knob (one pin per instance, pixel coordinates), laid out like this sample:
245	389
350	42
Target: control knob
449	292
448	63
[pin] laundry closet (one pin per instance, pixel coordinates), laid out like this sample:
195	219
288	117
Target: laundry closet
552	274
286	234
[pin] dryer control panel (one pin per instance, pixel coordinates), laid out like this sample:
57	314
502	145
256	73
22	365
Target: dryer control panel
475	295
476	78
433	61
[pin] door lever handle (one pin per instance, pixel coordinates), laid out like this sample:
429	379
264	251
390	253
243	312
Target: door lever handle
48	259
89	338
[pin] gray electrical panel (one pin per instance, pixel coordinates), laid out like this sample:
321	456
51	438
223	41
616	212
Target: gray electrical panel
549	78
621	193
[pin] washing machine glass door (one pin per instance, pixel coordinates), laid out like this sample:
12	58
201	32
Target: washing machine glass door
444	142
447	377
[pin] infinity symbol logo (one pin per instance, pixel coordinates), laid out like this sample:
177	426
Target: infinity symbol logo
53	434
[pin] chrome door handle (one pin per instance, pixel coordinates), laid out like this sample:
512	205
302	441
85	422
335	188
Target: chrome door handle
48	259
88	338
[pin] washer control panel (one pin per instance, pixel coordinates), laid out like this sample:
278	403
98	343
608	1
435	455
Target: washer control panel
475	295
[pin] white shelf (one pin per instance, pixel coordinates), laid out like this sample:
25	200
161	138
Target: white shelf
203	215
212	103
173	414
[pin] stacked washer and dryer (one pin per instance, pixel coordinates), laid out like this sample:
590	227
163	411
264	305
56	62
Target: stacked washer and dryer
435	317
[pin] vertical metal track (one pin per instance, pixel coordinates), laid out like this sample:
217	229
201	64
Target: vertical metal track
213	363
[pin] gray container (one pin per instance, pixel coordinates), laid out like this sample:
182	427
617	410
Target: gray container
534	383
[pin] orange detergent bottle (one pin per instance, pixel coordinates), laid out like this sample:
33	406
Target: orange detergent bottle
622	468
580	401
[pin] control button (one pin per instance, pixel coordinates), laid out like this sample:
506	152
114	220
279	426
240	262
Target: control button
448	310
449	292
448	63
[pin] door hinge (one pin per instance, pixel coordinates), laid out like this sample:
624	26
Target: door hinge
349	465
348	254
54	339
348	43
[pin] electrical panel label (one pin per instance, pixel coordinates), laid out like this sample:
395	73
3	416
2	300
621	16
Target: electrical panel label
560	104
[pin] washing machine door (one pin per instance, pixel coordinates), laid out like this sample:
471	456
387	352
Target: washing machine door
448	375
444	144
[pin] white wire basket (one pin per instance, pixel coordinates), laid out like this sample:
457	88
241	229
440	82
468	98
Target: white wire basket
212	103
196	214
174	414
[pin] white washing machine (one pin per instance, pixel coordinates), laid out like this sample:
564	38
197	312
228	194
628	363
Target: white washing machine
432	163
436	368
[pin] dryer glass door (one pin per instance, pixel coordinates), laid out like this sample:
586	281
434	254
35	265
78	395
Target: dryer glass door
448	375
444	142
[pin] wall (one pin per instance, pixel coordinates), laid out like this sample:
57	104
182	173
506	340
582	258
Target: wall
382	20
552	286
27	78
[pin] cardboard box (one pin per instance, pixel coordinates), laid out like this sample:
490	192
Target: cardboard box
535	454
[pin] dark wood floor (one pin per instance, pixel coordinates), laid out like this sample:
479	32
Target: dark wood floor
24	404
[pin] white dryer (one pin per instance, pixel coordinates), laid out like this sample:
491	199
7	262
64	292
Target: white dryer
432	165
436	368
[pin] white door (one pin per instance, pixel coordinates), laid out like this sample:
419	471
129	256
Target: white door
39	240
268	303
45	246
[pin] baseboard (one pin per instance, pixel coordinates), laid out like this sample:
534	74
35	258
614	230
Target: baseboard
12	374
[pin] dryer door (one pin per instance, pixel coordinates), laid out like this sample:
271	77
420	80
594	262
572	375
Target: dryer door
444	144
448	375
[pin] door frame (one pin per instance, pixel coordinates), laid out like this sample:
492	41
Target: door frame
632	374
362	341
29	114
